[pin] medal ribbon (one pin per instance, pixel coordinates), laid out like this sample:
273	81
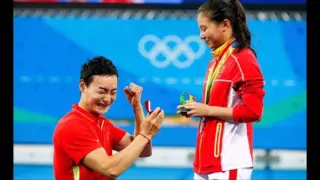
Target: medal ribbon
222	58
213	76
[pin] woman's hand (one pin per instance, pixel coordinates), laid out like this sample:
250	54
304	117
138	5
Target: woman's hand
195	109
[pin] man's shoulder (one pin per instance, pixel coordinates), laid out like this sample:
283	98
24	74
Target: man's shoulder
68	122
107	122
69	118
109	125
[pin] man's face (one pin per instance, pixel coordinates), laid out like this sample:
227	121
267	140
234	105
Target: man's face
100	93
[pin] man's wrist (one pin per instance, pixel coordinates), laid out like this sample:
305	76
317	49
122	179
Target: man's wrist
137	106
146	137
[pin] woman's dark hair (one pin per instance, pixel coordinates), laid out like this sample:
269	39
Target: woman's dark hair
219	10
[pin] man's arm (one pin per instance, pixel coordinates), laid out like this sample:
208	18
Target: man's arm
133	93
113	166
82	147
127	138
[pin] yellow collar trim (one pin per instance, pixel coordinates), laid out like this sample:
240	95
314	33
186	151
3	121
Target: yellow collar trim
216	53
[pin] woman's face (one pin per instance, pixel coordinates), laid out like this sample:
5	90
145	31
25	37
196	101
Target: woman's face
211	32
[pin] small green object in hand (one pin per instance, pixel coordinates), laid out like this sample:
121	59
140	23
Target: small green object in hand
183	101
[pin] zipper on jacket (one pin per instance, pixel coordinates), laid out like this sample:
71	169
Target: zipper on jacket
199	152
216	150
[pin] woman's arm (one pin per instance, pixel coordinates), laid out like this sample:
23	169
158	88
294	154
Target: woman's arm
249	110
248	82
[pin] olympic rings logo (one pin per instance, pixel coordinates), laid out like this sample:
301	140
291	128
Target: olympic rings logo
171	55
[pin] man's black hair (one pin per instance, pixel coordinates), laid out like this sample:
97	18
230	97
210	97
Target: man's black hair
97	66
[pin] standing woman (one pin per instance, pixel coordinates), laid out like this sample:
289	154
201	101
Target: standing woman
232	95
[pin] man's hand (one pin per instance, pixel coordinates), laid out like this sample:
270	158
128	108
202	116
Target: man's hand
195	109
151	125
113	166
133	94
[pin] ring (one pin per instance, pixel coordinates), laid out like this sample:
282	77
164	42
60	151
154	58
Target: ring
147	105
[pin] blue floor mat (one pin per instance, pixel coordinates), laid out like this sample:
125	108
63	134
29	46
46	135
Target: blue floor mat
29	172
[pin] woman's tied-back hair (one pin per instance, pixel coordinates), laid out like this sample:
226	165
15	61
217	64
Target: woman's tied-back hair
218	10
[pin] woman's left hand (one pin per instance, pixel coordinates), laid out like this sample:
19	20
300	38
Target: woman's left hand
195	109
